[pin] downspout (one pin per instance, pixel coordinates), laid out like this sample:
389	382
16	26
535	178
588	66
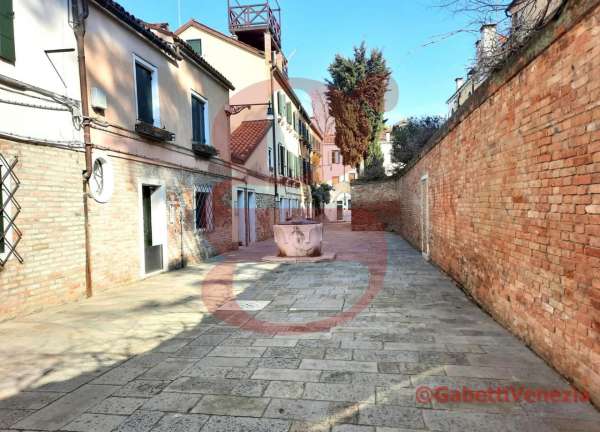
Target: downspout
275	146
80	15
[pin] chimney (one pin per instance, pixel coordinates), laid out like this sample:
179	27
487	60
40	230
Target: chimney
459	82
489	40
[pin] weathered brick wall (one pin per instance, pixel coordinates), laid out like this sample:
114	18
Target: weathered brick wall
52	222
116	226
514	196
265	208
375	206
51	219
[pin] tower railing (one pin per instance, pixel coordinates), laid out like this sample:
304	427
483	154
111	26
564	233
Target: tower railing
255	16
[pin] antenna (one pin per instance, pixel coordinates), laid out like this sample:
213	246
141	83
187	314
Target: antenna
179	13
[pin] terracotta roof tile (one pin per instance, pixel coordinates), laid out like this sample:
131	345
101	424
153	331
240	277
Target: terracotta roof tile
247	137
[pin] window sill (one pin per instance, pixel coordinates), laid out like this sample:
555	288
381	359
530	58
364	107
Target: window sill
153	133
204	150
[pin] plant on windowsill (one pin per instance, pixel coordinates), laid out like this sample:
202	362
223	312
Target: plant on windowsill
204	150
153	133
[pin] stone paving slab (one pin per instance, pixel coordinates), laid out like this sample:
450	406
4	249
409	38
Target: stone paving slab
152	358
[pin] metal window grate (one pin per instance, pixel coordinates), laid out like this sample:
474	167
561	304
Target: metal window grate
204	208
10	235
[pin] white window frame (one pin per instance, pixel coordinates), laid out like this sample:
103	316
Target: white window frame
211	226
155	92
207	131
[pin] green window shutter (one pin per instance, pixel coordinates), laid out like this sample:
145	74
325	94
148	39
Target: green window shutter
288	108
196	45
280	103
7	32
143	80
198	111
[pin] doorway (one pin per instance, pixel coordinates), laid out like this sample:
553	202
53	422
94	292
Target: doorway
154	227
425	216
252	216
241	211
340	210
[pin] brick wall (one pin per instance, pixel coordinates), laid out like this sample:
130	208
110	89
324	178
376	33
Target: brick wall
51	219
116	228
52	222
265	208
514	195
375	206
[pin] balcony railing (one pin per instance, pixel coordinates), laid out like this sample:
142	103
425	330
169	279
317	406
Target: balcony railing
256	16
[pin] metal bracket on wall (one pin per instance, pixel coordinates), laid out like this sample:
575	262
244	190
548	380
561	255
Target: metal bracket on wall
10	234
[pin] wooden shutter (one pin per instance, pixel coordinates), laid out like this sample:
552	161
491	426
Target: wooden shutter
7	32
143	79
280	104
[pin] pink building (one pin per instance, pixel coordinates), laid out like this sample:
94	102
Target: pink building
335	173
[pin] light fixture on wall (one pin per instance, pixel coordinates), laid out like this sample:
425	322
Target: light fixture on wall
236	109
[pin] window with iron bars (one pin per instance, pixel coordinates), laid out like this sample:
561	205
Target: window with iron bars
10	235
203	202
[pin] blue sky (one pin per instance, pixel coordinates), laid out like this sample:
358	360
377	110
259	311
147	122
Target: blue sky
313	31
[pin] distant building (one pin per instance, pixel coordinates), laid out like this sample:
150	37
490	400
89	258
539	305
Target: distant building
272	135
385	143
492	47
335	173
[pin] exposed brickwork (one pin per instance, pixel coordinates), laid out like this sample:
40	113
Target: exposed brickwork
265	208
51	219
375	206
52	222
514	197
118	223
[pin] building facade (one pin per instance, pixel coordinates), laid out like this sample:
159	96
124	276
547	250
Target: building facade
271	131
152	139
335	173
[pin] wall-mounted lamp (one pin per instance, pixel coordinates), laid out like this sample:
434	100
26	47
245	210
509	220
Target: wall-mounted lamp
236	109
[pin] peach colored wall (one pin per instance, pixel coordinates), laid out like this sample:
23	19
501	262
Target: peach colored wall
329	169
247	69
110	50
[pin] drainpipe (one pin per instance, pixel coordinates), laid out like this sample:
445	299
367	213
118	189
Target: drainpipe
275	146
81	12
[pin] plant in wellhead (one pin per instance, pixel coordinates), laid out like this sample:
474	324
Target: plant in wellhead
355	94
411	137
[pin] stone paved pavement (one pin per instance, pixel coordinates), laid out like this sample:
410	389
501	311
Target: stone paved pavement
151	357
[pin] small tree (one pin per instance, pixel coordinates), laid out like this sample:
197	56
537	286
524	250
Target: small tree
411	137
321	195
374	163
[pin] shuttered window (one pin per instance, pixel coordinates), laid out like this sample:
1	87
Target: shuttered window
198	120
196	45
282	154
7	32
288	109
280	104
143	80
